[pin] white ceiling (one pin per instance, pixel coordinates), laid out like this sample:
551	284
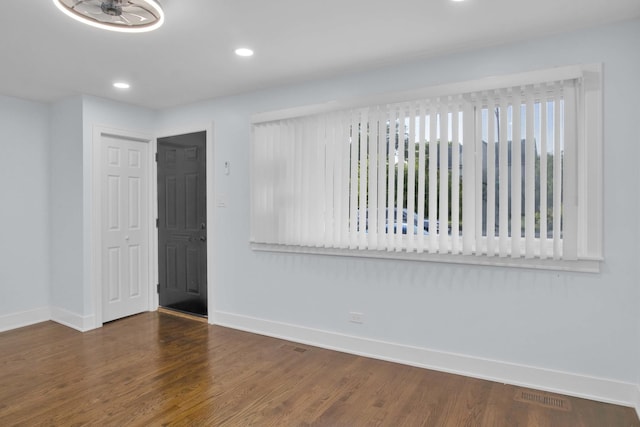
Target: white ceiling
47	56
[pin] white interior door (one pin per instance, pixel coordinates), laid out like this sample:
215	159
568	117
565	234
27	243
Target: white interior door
125	227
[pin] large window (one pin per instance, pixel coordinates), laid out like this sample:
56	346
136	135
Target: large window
500	171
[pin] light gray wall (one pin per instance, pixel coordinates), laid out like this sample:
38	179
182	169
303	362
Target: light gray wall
46	189
66	180
24	205
72	123
578	323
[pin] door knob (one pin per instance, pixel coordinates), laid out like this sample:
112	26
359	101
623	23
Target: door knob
203	238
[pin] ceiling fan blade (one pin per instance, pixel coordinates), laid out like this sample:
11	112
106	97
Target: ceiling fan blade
140	17
86	6
137	11
124	18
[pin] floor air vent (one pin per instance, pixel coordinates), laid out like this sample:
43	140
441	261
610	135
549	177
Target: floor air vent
294	348
543	399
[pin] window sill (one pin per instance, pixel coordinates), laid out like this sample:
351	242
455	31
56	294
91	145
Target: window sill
582	266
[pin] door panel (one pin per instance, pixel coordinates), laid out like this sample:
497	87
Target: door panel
182	233
125	229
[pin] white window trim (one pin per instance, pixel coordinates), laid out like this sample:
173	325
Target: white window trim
583	265
588	170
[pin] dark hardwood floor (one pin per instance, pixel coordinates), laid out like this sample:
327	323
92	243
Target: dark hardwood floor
158	369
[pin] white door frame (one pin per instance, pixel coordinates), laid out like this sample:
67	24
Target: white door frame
96	214
210	168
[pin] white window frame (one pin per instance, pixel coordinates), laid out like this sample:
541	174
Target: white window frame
584	169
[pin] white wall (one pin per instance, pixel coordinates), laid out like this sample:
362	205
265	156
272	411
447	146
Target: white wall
46	171
583	324
66	204
24	206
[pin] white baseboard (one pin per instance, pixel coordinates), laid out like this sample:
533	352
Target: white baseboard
24	318
600	389
638	401
59	315
72	320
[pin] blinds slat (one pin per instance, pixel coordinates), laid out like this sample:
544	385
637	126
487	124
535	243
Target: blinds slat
308	145
321	204
478	177
411	184
443	216
400	204
421	174
530	190
372	201
285	191
271	179
455	180
279	188
433	179
570	175
503	180
288	144
353	183
391	241
256	135
299	196
363	178
300	185
327	168
260	174
262	198
557	174
295	184
543	177
314	193
333	133
383	162
491	180
319	223
516	180
468	179
345	187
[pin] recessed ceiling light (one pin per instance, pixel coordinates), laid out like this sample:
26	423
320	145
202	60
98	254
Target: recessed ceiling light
121	85
115	15
243	51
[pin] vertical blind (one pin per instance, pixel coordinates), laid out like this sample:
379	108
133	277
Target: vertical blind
490	173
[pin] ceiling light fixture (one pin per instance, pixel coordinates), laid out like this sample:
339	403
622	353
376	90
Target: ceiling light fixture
121	85
129	16
243	51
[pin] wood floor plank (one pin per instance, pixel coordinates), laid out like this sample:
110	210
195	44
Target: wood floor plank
157	369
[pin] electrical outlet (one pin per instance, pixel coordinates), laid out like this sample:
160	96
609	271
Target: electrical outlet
355	317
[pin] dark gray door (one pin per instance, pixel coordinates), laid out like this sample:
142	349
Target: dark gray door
182	227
